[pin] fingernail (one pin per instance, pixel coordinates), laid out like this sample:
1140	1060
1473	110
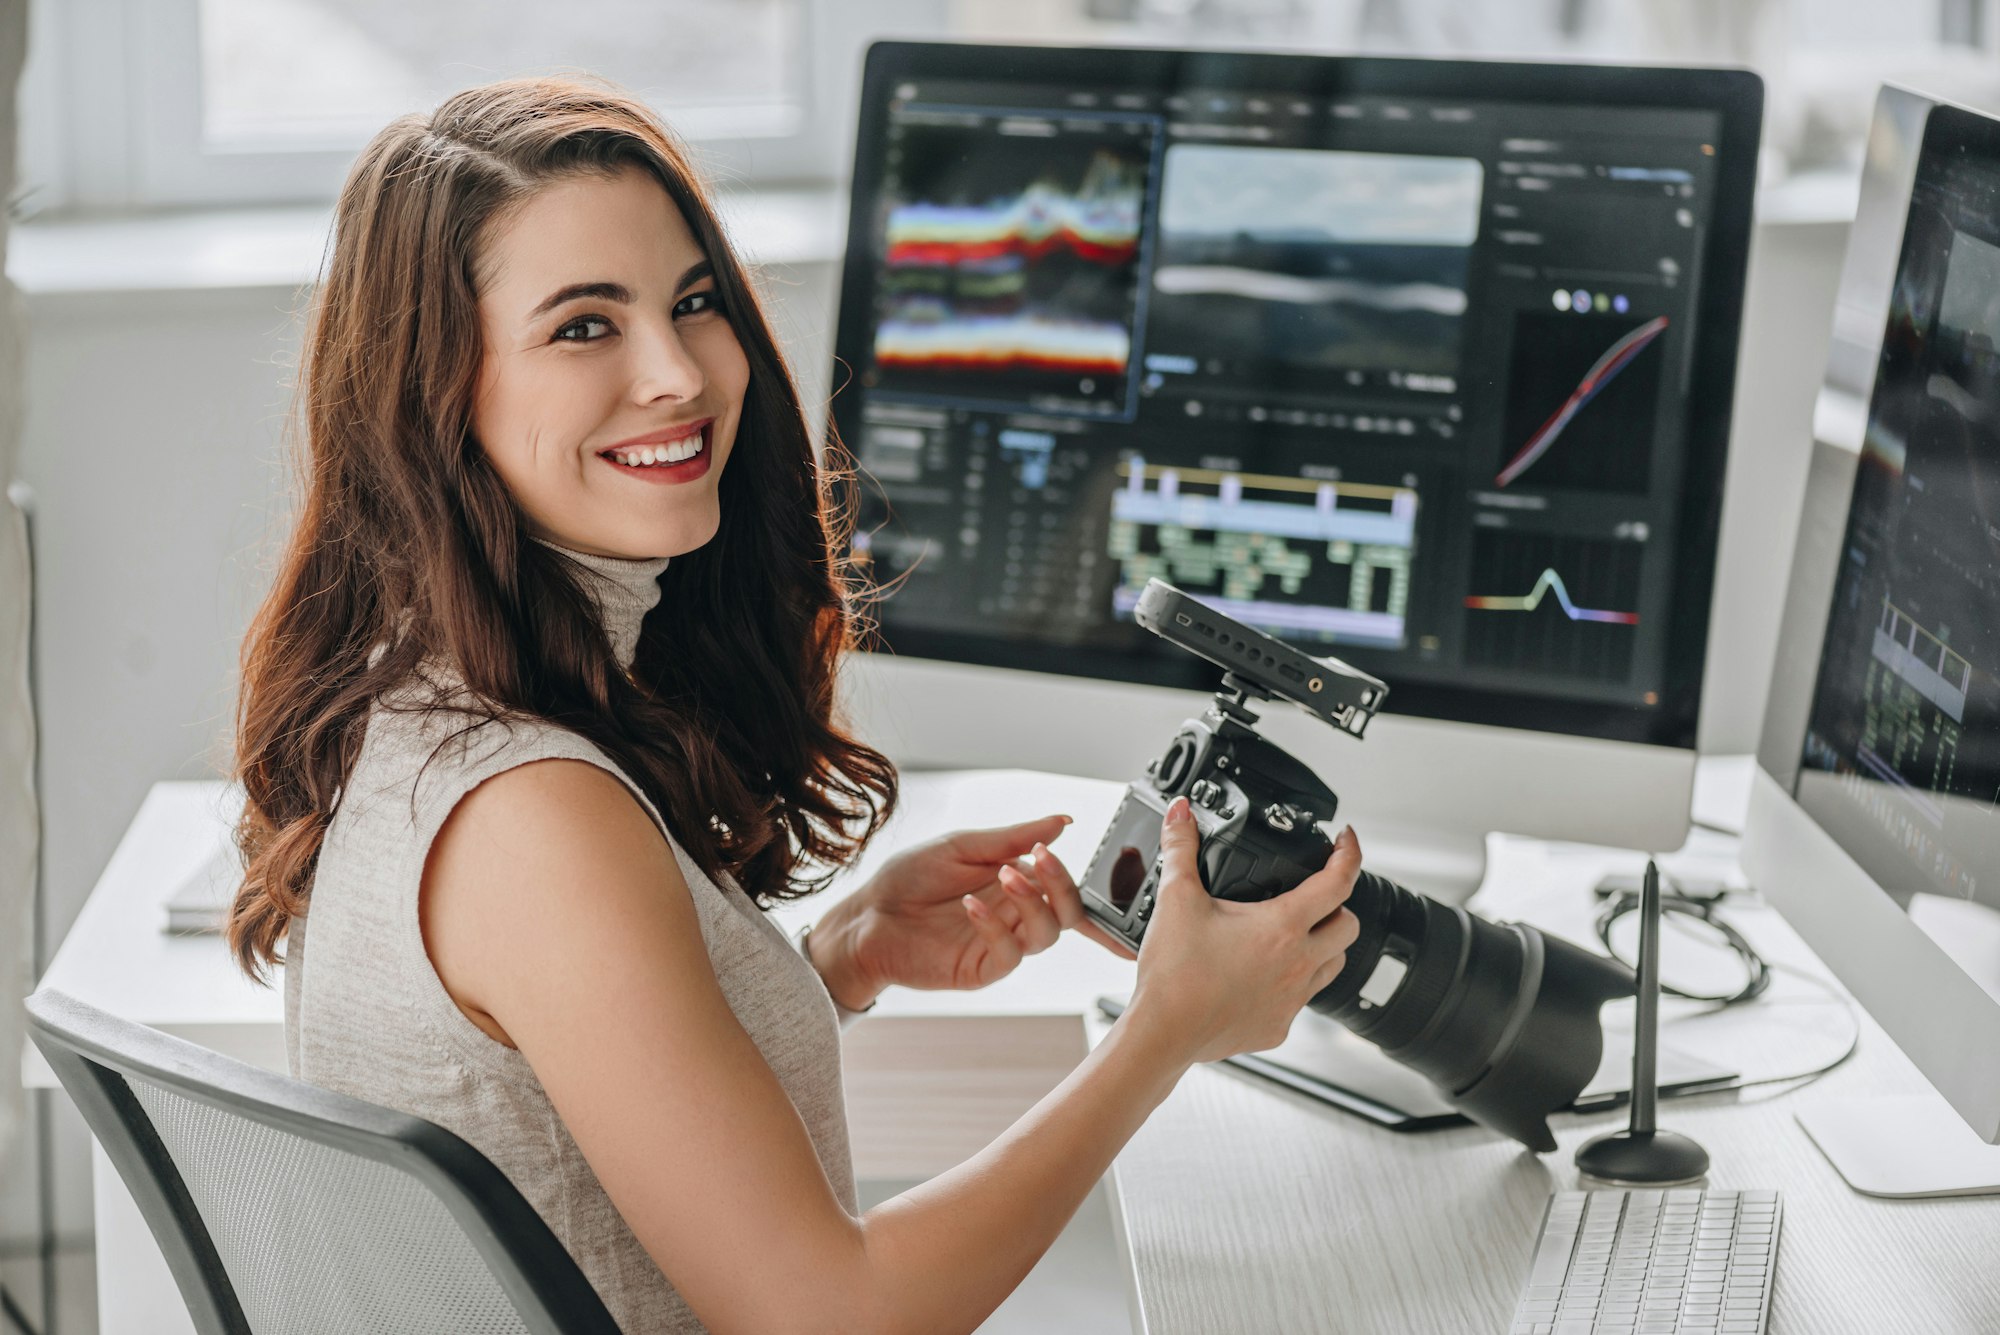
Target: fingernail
1040	850
973	906
1178	811
1014	885
1069	820
1345	837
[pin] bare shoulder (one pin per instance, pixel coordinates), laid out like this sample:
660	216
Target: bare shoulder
539	873
545	815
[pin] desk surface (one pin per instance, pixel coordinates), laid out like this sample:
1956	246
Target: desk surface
1247	1207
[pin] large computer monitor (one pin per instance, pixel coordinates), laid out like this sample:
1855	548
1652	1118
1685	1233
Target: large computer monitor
1875	809
1424	364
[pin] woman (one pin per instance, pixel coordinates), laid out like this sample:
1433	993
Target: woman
537	720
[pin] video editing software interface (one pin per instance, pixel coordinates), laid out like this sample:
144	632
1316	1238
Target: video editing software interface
1401	379
1902	749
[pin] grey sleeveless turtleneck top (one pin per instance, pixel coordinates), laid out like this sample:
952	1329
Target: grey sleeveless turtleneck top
366	1015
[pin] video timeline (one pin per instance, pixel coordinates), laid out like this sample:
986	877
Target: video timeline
1308	561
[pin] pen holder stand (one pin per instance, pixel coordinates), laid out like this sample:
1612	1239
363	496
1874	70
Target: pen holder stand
1642	1155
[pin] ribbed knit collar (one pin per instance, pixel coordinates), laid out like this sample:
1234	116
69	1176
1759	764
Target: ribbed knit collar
625	591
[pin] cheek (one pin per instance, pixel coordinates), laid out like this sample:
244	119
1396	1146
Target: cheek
530	416
725	365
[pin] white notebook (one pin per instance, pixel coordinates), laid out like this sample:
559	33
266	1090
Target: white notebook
200	903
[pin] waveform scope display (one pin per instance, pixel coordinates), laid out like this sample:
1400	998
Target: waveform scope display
1560	605
1315	260
1583	395
1302	560
1011	253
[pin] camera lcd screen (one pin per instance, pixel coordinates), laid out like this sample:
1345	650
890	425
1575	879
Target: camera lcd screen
1125	858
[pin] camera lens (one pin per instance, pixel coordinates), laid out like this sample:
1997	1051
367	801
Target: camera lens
1498	1016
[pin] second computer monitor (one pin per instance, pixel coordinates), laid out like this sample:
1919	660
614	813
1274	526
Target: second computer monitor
1424	364
1875	812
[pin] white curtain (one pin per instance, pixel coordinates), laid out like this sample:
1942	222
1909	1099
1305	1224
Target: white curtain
17	724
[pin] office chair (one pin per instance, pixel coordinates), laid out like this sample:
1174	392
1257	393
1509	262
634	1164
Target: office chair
285	1208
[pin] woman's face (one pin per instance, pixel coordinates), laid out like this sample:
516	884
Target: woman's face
612	381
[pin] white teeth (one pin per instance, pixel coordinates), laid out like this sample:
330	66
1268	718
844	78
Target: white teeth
645	455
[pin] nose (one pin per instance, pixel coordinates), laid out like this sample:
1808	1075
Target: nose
664	367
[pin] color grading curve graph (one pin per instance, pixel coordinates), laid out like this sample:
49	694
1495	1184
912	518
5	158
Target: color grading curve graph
1558	605
1298	558
1010	263
1551	582
1563	365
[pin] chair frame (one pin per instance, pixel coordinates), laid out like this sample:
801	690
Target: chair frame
94	1054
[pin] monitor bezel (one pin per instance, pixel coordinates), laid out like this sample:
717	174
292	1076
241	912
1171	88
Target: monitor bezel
1736	95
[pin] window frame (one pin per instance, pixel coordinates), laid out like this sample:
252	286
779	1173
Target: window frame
112	111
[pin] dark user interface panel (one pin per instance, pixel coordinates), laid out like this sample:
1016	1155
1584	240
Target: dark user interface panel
1902	750
1403	379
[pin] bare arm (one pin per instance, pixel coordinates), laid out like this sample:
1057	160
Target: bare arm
559	920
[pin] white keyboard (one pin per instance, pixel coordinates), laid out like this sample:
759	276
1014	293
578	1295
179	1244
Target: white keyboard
1652	1263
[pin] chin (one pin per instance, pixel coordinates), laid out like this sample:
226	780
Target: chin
681	534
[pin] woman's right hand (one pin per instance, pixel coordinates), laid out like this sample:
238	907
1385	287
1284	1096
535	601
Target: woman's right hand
1223	977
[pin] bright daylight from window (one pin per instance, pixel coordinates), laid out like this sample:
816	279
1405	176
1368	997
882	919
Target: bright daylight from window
327	73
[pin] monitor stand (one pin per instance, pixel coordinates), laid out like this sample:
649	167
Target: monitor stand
1914	1145
1446	864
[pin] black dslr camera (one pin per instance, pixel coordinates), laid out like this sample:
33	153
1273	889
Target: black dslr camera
1501	1017
1258	809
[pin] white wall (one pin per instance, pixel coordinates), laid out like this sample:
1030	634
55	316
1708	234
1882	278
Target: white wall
154	444
17	805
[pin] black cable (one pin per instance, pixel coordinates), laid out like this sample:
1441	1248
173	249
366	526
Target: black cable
1757	969
1807	1077
15	1316
1797	1079
1705	909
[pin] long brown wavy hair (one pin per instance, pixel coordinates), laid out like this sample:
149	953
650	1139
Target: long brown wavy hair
407	546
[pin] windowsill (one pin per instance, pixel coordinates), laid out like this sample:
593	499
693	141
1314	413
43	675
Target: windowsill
279	250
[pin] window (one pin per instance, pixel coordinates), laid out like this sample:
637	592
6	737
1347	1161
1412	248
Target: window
165	102
282	74
162	102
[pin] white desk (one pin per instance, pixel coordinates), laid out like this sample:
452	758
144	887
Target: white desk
1245	1207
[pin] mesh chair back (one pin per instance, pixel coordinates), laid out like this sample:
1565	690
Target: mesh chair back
286	1209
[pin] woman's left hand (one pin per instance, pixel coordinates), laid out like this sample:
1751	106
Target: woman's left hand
957	912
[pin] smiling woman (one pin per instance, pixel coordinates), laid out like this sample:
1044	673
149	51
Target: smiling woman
449	420
538	720
593	384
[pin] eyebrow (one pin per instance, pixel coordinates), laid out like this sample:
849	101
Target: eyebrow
618	292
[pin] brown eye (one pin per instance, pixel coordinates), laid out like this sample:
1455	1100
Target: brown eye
584	329
699	303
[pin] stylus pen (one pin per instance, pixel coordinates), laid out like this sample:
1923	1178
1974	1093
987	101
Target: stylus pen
1646	1030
